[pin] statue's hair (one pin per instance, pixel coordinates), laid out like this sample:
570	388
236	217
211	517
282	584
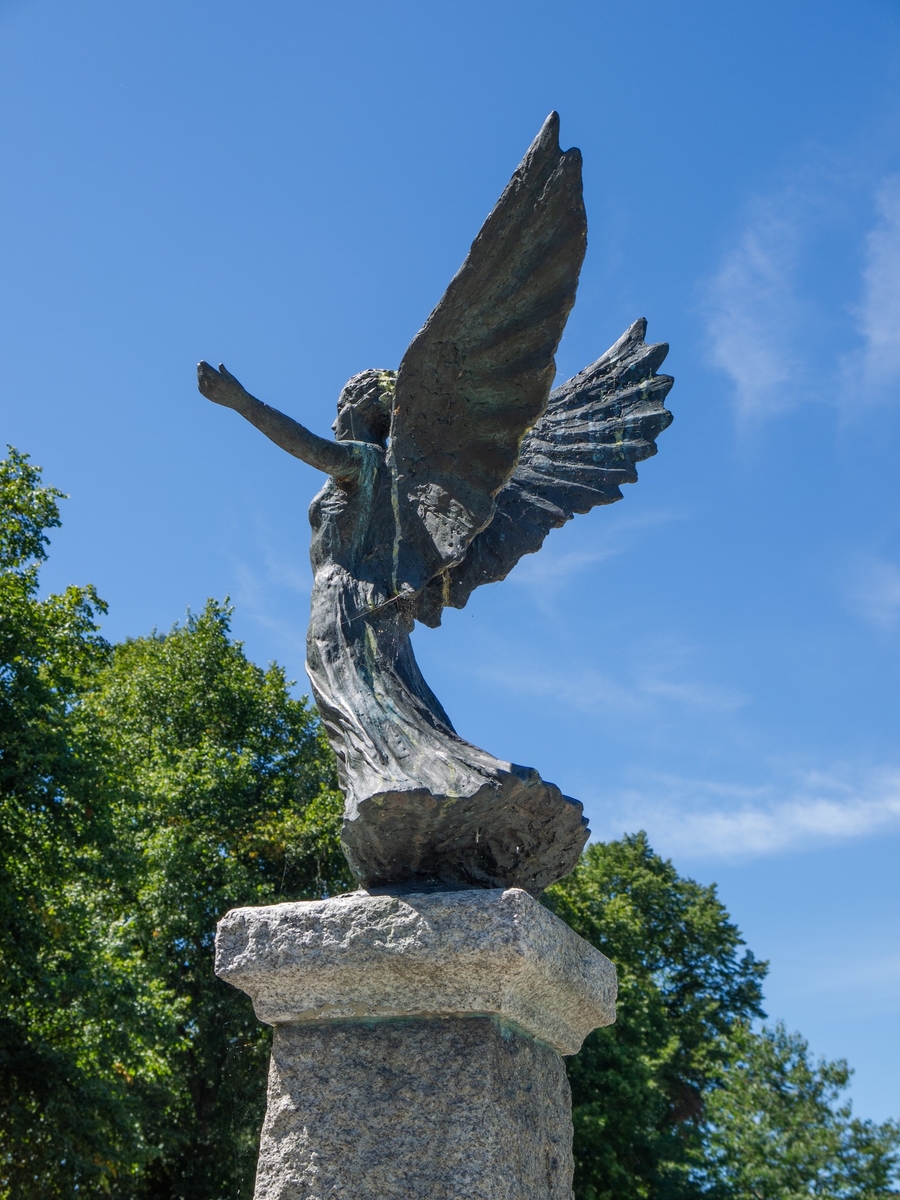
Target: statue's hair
370	389
366	385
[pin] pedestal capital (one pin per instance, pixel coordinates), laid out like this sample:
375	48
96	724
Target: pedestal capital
490	952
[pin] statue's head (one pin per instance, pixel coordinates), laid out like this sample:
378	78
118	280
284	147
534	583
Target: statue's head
364	408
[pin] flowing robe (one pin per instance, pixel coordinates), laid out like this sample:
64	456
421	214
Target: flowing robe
422	804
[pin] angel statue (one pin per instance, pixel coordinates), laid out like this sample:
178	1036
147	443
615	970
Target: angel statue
441	475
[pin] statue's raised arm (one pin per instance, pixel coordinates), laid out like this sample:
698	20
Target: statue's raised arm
335	458
441	476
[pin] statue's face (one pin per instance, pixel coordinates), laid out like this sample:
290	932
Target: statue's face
364	415
358	423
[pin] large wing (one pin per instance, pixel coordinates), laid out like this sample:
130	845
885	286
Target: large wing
596	427
478	374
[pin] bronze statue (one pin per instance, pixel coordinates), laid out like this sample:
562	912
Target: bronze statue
441	477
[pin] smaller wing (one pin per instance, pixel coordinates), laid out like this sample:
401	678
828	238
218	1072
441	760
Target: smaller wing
584	447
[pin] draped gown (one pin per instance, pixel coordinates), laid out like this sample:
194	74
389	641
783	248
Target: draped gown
422	805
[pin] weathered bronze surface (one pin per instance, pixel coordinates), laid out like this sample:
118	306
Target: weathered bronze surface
441	477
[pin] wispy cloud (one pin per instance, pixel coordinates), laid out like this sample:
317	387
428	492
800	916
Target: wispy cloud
866	985
878	972
713	820
770	327
273	584
649	693
754	310
552	570
873	591
877	366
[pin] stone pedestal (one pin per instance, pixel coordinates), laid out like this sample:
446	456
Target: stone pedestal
417	1043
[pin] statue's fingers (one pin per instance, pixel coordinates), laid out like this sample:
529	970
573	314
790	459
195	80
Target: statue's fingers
223	370
207	377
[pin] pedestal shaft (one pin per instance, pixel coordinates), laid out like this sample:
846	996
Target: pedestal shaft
419	1109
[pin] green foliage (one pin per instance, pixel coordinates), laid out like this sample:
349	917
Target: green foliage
143	791
227	798
59	1099
637	1086
27	511
775	1130
680	1098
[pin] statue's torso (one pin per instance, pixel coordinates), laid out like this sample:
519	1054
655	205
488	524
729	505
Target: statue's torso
353	529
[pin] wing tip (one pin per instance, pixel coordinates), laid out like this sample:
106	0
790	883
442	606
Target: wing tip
635	339
546	145
547	140
550	127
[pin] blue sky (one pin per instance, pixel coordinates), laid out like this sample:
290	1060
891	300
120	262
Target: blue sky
289	187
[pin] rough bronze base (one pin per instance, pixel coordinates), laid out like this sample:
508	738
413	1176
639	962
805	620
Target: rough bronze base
515	831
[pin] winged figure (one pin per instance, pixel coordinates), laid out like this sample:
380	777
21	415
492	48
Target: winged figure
441	475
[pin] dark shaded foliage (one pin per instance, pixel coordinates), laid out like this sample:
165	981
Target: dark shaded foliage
144	790
680	1098
637	1086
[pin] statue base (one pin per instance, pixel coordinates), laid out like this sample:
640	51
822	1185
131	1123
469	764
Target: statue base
516	831
417	1043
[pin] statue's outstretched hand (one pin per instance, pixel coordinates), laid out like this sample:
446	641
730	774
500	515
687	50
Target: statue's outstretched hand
220	386
335	458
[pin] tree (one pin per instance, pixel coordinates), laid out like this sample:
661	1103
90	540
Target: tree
638	1085
226	797
61	1104
144	790
148	787
680	1098
774	1128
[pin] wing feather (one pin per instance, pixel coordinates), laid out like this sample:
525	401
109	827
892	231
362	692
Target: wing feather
596	427
478	374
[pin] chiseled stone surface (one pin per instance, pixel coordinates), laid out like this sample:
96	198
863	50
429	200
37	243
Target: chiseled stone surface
418	1109
446	954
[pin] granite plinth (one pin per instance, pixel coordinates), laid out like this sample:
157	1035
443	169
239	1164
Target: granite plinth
422	1109
417	1043
490	951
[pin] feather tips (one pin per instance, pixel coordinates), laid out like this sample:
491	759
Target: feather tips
596	427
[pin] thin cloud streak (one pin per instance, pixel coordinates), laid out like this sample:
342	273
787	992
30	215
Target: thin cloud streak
589	691
874	592
754	310
763	322
550	571
708	820
873	971
256	586
878	365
